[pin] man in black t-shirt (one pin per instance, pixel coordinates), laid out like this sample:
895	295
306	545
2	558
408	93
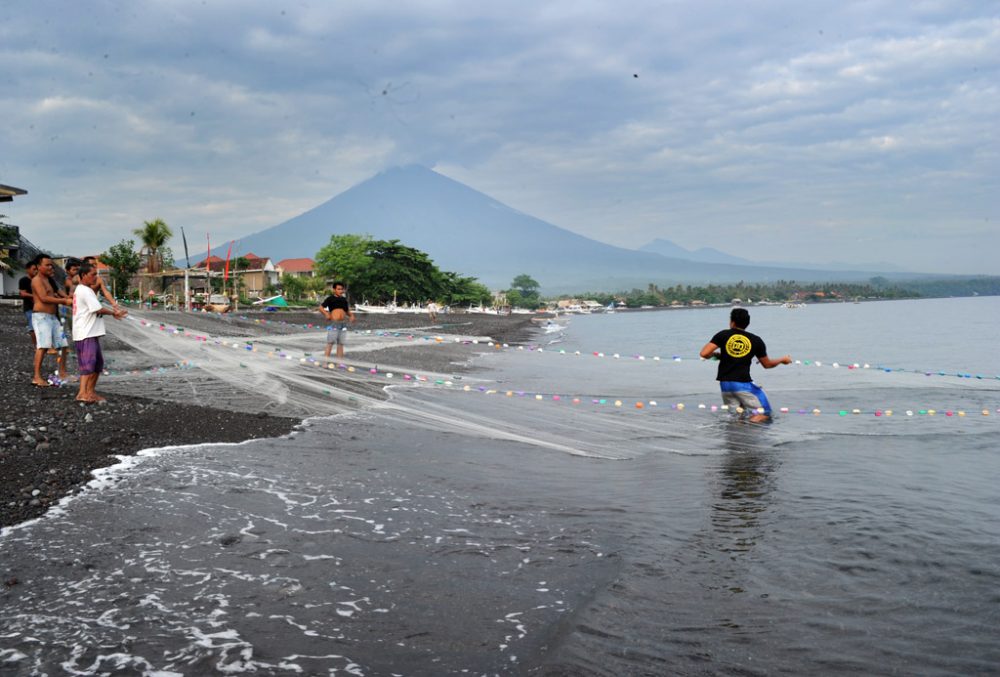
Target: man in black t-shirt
337	310
27	297
735	349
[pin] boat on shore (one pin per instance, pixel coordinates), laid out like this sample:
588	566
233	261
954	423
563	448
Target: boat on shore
375	309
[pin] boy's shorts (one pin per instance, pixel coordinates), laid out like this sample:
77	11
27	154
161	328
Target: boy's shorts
335	334
48	331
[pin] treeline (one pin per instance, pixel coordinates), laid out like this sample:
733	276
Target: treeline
784	291
778	292
380	271
973	286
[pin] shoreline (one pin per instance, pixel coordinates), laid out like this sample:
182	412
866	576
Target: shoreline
50	444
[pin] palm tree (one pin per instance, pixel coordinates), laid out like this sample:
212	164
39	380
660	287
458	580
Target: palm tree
154	234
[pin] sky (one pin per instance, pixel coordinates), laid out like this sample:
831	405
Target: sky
775	130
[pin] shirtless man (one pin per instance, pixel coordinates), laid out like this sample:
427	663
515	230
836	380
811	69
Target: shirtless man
99	287
44	318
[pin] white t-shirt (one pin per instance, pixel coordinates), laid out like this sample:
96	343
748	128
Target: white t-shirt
86	322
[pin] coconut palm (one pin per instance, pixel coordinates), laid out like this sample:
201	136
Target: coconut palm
154	234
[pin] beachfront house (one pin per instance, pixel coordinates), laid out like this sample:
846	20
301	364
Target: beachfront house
13	252
254	273
303	267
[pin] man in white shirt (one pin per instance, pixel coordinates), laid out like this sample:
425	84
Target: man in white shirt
88	327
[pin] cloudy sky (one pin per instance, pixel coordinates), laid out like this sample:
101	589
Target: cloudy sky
774	129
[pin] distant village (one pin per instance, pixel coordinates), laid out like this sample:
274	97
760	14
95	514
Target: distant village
245	278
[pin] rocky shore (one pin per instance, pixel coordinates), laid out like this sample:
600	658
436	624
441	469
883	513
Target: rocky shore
50	444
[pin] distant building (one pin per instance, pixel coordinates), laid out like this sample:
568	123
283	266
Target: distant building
257	274
7	193
303	267
13	253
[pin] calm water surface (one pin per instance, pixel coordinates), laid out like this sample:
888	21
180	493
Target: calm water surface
525	527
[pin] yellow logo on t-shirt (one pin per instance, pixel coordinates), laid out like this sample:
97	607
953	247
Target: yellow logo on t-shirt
738	345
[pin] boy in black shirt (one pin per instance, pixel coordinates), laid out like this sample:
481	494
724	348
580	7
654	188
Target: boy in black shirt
735	348
27	296
337	310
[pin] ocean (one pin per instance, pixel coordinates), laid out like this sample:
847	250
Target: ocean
577	507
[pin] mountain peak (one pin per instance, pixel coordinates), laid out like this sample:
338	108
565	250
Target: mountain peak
470	233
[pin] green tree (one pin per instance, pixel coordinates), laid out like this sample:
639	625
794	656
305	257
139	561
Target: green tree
379	271
167	258
153	235
461	291
316	285
526	285
344	258
397	271
124	262
524	292
293	286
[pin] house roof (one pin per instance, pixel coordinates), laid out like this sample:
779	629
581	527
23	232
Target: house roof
218	264
303	265
7	193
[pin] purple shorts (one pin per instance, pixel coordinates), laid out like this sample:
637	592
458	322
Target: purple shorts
89	356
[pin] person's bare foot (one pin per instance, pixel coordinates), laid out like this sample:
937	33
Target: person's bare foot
91	399
40	384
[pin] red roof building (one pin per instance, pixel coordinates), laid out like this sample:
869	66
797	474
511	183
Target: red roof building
298	267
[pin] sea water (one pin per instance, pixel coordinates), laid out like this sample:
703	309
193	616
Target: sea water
576	507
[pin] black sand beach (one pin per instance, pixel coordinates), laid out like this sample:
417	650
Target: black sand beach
49	444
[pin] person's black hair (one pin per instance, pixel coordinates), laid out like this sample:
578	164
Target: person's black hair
740	317
72	261
84	269
339	284
38	259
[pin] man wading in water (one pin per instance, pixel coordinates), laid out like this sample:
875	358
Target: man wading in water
735	348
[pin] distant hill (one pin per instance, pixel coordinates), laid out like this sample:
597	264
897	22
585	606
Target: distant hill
470	233
705	254
710	255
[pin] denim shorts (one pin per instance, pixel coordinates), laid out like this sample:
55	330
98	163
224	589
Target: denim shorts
48	331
